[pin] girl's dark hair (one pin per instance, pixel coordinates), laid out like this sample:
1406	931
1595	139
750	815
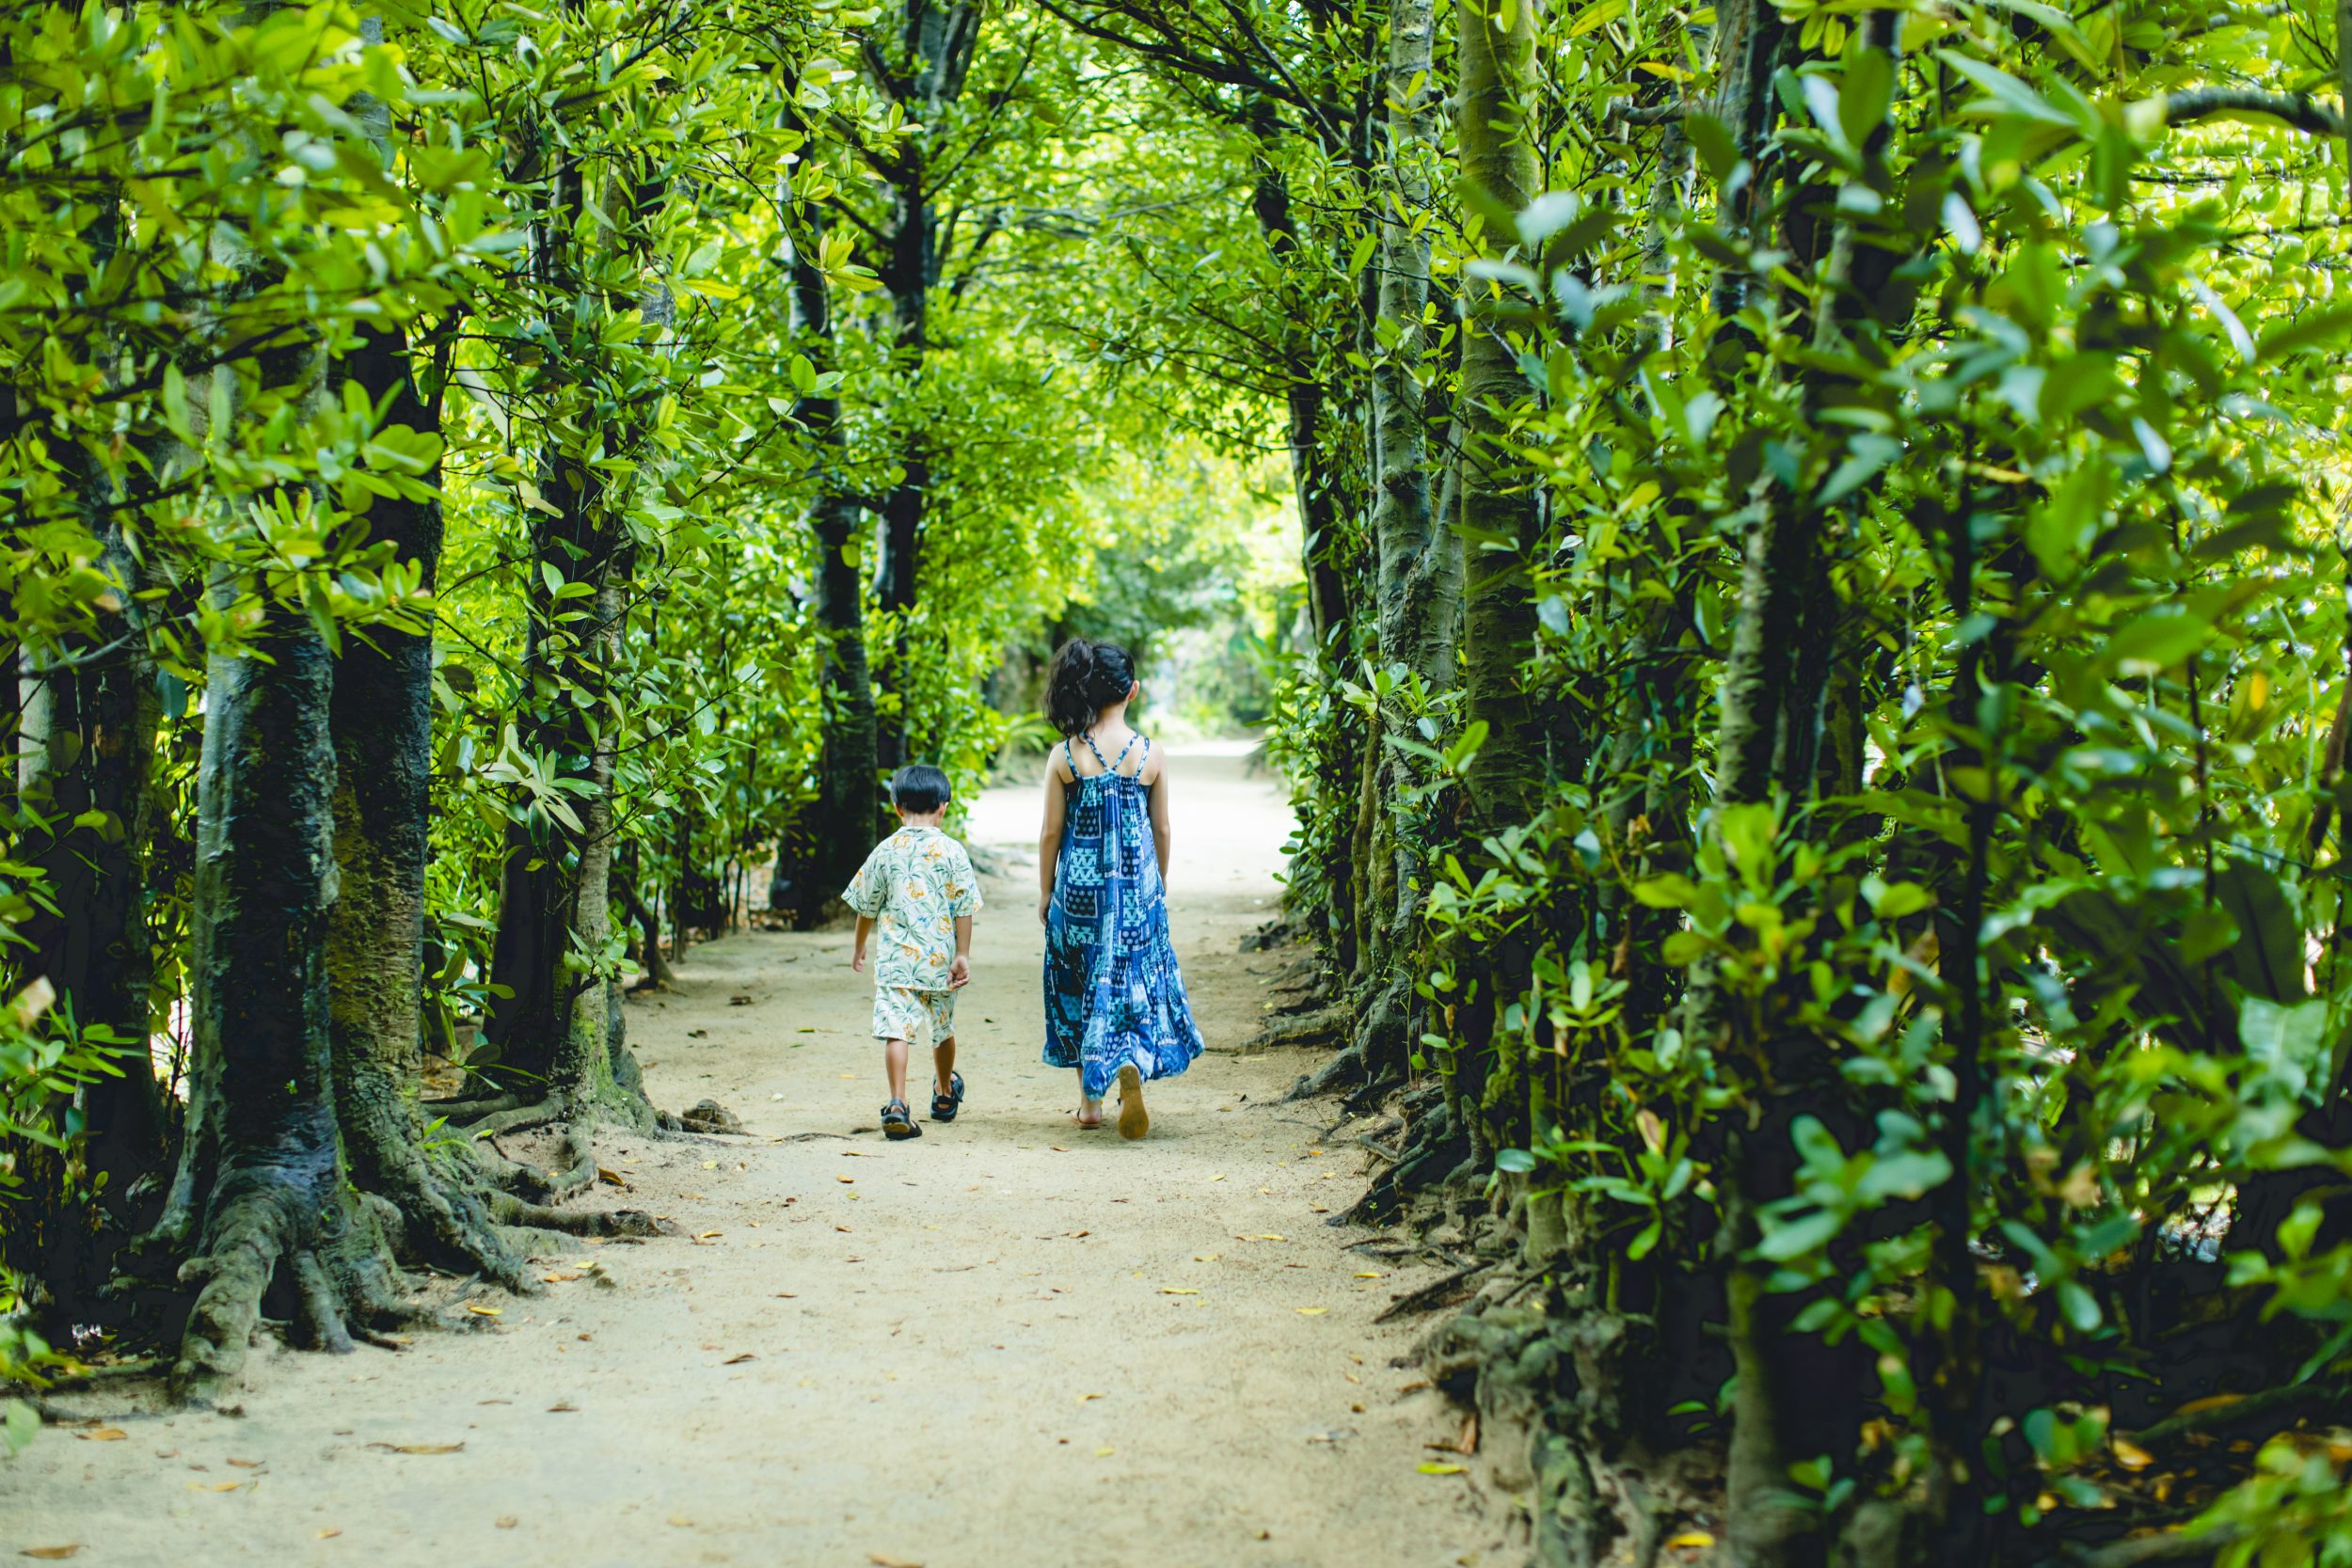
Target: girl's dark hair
1084	679
920	788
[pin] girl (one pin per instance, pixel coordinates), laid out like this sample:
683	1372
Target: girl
1115	1004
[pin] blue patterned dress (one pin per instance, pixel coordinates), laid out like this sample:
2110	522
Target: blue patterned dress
1113	994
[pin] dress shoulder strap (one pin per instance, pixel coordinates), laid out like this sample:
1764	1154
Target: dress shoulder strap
1068	758
1098	754
1132	739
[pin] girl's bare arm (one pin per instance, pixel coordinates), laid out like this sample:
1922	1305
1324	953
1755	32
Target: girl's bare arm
1049	837
1159	814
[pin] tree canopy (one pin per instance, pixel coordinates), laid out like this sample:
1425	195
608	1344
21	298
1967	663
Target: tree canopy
1813	660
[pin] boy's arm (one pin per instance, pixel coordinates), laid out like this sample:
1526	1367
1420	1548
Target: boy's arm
960	972
857	954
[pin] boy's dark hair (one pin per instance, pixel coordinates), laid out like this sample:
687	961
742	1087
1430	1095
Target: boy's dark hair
919	788
1084	679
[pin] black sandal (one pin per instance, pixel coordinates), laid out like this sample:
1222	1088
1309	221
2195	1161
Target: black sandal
898	1123
945	1106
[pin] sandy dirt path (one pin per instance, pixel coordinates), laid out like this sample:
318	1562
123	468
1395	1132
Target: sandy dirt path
1007	1343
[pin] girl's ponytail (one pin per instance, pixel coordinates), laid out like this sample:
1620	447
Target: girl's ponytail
1084	679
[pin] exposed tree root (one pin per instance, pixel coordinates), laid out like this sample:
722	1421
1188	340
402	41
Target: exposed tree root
1342	1069
457	1113
1429	1295
579	1222
519	1117
269	1223
1319	1027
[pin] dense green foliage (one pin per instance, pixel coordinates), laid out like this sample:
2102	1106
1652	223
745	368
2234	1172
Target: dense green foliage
1817	696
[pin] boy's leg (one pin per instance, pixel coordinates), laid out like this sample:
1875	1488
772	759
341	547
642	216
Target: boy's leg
895	1064
943	1064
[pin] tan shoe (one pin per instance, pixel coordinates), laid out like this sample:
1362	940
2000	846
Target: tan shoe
1133	1121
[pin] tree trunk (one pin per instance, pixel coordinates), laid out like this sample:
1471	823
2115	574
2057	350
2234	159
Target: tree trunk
848	811
259	1190
939	41
1498	518
87	754
1419	582
381	719
557	917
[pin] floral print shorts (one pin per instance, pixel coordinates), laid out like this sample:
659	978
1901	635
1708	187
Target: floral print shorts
901	1014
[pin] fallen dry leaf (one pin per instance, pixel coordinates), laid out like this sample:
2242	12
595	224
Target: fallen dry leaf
507	1521
417	1447
846	1181
102	1435
216	1486
1692	1539
1105	1453
612	1175
1310	1312
51	1554
883	1560
1083	1398
566	1408
1204	1257
1434	1467
481	1311
2211	1401
708	1235
2130	1455
738	1360
249	1464
328	1533
1176	1291
559	1278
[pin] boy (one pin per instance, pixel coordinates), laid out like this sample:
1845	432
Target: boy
918	883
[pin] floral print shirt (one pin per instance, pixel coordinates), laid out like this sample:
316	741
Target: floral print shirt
916	885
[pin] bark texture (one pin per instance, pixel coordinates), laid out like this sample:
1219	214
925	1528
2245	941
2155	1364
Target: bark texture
847	810
1418	562
380	715
1498	517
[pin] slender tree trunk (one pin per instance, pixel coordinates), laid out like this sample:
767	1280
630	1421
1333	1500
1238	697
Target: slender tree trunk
89	716
1497	515
554	925
847	809
1418	584
939	39
86	760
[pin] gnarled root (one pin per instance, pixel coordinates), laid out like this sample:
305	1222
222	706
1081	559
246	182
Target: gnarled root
1319	1027
579	1222
1341	1071
268	1221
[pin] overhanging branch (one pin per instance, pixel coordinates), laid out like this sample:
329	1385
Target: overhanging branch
2300	110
